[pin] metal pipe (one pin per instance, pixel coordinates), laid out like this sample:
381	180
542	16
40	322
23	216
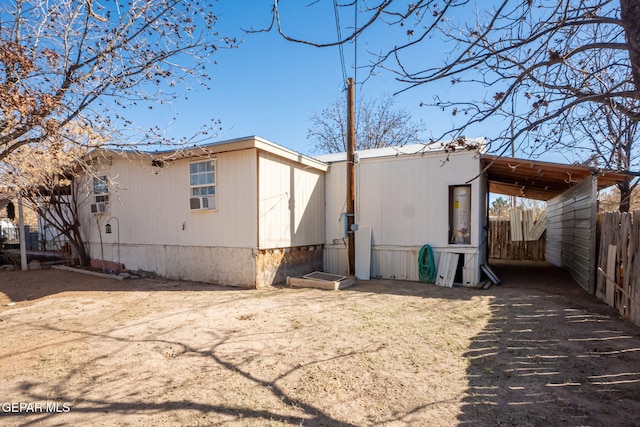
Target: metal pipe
118	237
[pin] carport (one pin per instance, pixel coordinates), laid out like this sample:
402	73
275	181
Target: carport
571	193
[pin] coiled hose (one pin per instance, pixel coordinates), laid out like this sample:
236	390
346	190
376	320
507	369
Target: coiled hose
426	265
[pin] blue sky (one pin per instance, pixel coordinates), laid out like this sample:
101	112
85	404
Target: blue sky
271	87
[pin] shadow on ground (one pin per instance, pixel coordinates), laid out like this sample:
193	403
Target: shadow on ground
50	282
551	354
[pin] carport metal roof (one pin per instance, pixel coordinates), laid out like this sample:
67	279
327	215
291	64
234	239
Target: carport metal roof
539	180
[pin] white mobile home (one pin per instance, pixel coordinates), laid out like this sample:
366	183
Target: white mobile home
244	212
410	196
249	213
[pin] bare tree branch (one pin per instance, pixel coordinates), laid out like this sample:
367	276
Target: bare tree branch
378	124
61	61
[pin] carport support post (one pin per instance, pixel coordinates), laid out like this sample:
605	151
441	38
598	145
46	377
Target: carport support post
23	237
351	145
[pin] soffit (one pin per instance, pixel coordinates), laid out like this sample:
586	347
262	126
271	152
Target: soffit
539	180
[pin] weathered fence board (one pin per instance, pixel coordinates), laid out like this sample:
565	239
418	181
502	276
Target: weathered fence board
501	245
619	262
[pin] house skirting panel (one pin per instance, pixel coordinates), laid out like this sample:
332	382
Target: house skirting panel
216	265
275	265
401	262
241	267
220	266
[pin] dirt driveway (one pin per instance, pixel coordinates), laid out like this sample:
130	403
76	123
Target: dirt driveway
534	351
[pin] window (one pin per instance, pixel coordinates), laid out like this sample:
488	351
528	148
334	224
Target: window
100	194
202	179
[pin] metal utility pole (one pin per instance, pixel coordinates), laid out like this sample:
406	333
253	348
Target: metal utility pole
351	176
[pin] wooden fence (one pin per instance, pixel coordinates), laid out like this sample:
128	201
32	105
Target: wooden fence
502	247
618	273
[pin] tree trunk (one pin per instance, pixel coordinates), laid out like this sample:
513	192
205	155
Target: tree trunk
625	196
75	239
81	250
630	16
63	216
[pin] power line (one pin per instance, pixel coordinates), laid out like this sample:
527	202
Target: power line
355	43
355	57
339	33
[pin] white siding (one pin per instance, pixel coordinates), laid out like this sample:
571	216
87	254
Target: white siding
405	200
152	204
401	262
159	232
291	203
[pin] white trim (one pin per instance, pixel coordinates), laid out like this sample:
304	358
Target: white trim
405	150
237	144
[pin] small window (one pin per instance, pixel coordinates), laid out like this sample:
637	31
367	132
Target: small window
100	194
202	181
100	184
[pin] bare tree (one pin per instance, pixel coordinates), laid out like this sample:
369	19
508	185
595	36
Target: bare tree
83	61
604	138
59	202
541	64
50	179
610	200
378	124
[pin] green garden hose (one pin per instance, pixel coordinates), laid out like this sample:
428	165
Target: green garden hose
426	265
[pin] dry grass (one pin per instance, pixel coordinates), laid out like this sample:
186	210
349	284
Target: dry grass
381	353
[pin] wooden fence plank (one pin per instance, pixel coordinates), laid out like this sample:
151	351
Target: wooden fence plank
619	263
602	223
625	242
502	247
634	271
612	255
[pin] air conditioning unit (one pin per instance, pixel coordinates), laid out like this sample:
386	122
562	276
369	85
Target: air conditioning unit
100	208
203	202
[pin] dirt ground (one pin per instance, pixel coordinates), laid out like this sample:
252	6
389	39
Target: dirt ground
535	351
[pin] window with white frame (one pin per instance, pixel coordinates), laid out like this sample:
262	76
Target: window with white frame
202	180
100	194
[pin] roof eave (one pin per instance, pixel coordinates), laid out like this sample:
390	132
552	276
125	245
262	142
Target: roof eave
237	144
